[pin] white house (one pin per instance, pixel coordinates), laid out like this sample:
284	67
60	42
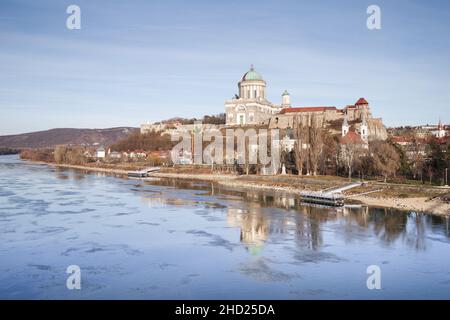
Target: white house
100	153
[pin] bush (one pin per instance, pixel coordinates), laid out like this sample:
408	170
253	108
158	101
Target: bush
45	155
152	141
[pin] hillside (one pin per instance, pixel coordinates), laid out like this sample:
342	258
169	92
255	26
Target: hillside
53	137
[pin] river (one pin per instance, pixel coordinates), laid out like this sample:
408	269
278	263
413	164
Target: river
165	239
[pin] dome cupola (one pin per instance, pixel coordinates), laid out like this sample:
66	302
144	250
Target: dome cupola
252	75
252	86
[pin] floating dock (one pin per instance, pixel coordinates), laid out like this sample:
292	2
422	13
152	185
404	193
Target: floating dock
331	196
330	199
142	173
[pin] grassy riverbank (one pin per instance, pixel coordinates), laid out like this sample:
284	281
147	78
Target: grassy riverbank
403	197
420	198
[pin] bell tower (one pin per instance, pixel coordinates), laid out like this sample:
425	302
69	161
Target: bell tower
345	127
364	127
286	99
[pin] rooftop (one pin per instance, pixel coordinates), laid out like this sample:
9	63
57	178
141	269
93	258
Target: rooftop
352	137
307	109
361	101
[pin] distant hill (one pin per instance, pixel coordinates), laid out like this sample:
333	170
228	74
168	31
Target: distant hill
53	137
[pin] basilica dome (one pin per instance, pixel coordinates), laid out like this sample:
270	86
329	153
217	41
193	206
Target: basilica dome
251	75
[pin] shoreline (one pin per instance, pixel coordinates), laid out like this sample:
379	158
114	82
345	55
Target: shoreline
88	168
418	204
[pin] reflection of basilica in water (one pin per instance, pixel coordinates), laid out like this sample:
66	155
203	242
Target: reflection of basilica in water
262	217
259	222
254	227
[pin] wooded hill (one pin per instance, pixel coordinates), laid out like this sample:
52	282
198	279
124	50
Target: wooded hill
67	136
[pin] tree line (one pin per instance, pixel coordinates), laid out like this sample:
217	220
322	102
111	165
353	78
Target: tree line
207	119
151	141
70	155
44	155
6	151
428	160
316	151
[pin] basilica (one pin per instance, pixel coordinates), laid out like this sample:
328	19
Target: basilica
251	107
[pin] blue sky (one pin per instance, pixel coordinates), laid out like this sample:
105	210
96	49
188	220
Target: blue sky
139	61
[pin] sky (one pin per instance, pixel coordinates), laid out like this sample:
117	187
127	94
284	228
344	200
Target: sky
134	62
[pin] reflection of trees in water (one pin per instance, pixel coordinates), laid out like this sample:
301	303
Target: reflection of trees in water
257	223
307	231
391	225
61	173
385	224
354	223
440	224
388	225
184	184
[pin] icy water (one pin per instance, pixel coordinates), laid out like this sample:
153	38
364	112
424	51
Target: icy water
169	240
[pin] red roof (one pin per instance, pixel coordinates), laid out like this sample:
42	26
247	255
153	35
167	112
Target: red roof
307	109
401	139
442	140
361	101
352	137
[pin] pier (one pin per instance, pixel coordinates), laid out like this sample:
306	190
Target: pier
332	196
142	173
331	199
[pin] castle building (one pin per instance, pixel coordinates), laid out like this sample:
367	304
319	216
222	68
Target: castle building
355	112
251	107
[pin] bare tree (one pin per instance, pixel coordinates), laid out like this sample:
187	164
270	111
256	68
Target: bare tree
349	155
300	135
386	159
316	133
60	154
70	155
430	172
330	155
417	158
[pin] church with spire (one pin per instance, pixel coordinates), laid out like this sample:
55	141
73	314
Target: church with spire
357	136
